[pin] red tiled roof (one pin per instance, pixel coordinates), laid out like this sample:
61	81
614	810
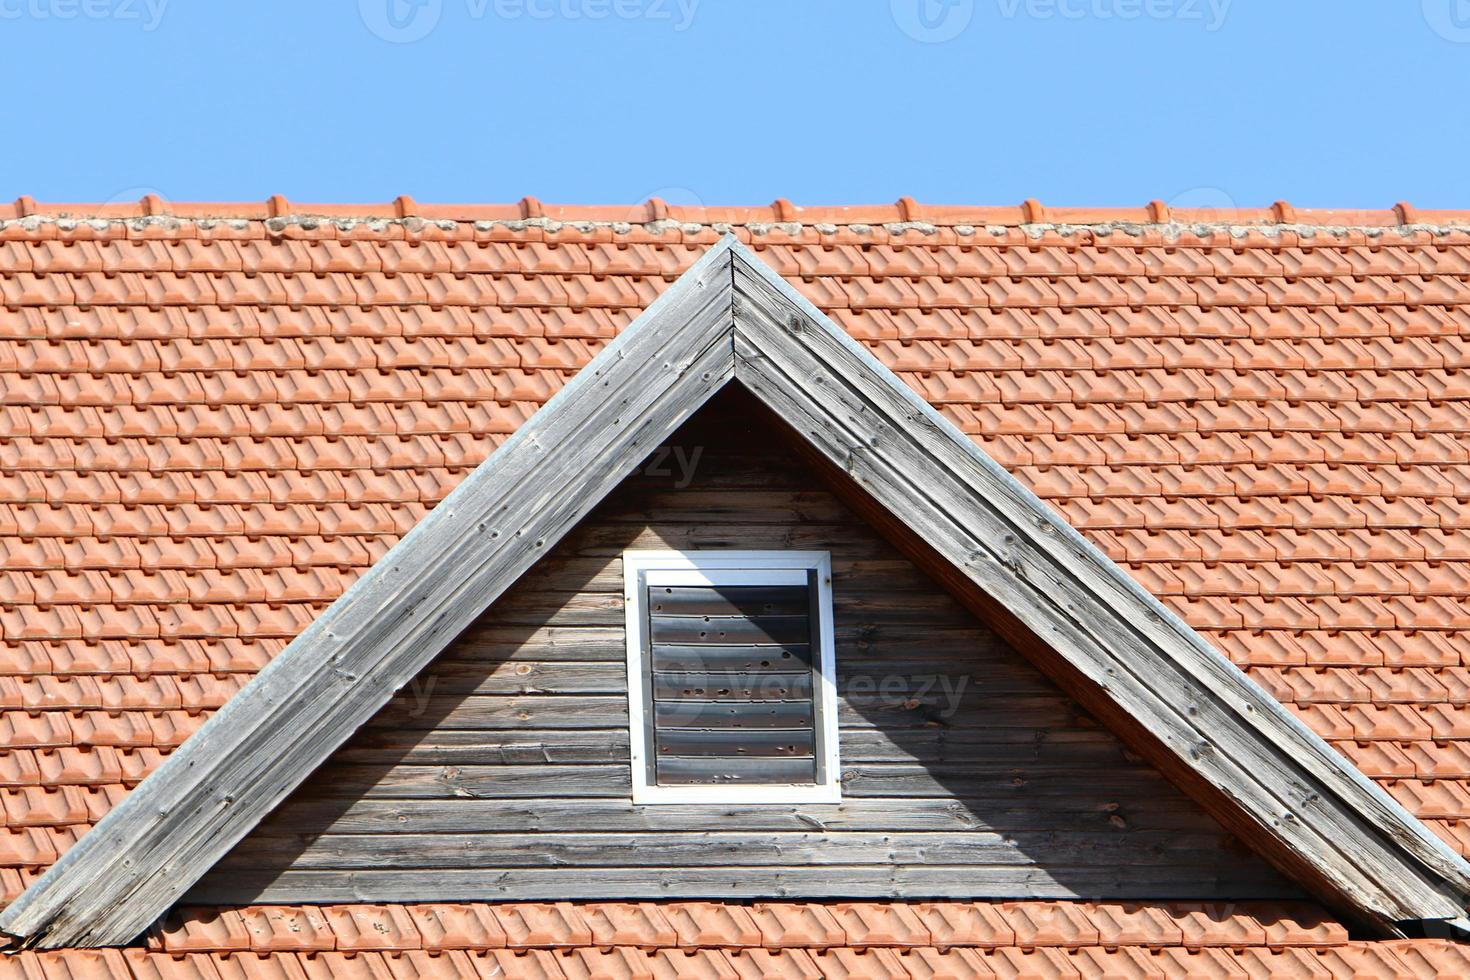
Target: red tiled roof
694	939
213	417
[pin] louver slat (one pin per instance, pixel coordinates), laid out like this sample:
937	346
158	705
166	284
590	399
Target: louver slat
739	630
693	772
695	657
753	685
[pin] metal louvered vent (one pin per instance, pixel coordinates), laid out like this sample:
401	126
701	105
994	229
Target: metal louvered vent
732	684
730	666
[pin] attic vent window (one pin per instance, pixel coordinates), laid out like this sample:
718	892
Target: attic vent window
730	677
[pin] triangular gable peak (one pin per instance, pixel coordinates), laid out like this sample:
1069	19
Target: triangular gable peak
506	769
993	543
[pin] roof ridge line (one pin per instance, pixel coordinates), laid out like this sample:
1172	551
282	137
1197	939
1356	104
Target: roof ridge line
1031	217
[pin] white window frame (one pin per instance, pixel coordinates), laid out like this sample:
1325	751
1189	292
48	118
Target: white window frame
714	568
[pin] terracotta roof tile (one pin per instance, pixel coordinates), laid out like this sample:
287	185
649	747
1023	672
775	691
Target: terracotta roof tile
702	964
1123	962
533	964
782	964
945	964
1044	962
966	924
712	924
1059	924
1202	963
881	924
861	964
195	930
619	963
1433	959
1135	924
533	924
1218	924
785	925
372	927
623	924
274	928
443	926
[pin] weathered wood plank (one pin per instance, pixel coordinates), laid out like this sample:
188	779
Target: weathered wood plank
408	782
514	712
493	643
560	609
882	576
613	539
1098	849
1169	811
503	713
395	746
858	780
606	610
447	676
712	507
927	610
857	643
726	666
724	884
1003	746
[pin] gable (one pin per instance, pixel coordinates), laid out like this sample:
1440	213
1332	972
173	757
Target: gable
1376	890
502	769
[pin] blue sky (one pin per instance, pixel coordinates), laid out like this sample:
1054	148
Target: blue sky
1074	102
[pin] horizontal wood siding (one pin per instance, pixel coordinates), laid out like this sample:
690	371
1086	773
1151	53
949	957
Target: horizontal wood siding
502	770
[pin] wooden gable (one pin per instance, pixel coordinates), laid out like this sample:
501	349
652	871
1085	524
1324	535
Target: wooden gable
502	769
